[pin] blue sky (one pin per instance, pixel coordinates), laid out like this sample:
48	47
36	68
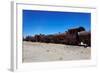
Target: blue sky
51	22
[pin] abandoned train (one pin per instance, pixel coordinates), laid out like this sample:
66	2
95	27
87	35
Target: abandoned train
73	36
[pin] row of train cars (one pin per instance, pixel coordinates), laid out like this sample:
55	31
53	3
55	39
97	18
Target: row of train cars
75	36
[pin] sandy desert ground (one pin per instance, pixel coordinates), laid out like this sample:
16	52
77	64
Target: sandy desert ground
39	52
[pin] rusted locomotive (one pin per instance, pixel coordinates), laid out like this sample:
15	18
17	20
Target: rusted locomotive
71	37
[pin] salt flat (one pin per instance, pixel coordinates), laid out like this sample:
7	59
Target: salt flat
39	52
